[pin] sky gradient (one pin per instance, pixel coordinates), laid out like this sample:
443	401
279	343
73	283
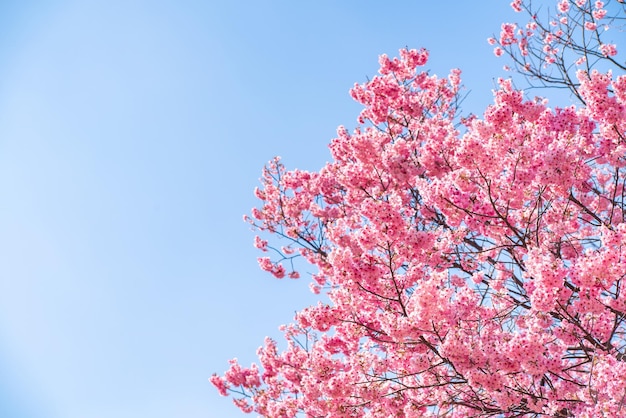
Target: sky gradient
132	135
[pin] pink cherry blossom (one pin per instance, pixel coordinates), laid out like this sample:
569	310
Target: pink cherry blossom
261	244
469	265
608	50
590	26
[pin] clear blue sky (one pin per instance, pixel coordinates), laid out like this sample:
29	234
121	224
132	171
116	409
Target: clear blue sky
132	134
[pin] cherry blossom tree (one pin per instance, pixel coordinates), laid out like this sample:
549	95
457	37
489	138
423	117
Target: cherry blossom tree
470	266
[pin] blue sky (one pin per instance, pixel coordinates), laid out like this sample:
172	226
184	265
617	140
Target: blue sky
131	137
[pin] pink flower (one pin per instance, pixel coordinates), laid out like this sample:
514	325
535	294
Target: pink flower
590	26
599	14
563	6
261	244
608	50
507	34
220	384
276	269
498	51
265	263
